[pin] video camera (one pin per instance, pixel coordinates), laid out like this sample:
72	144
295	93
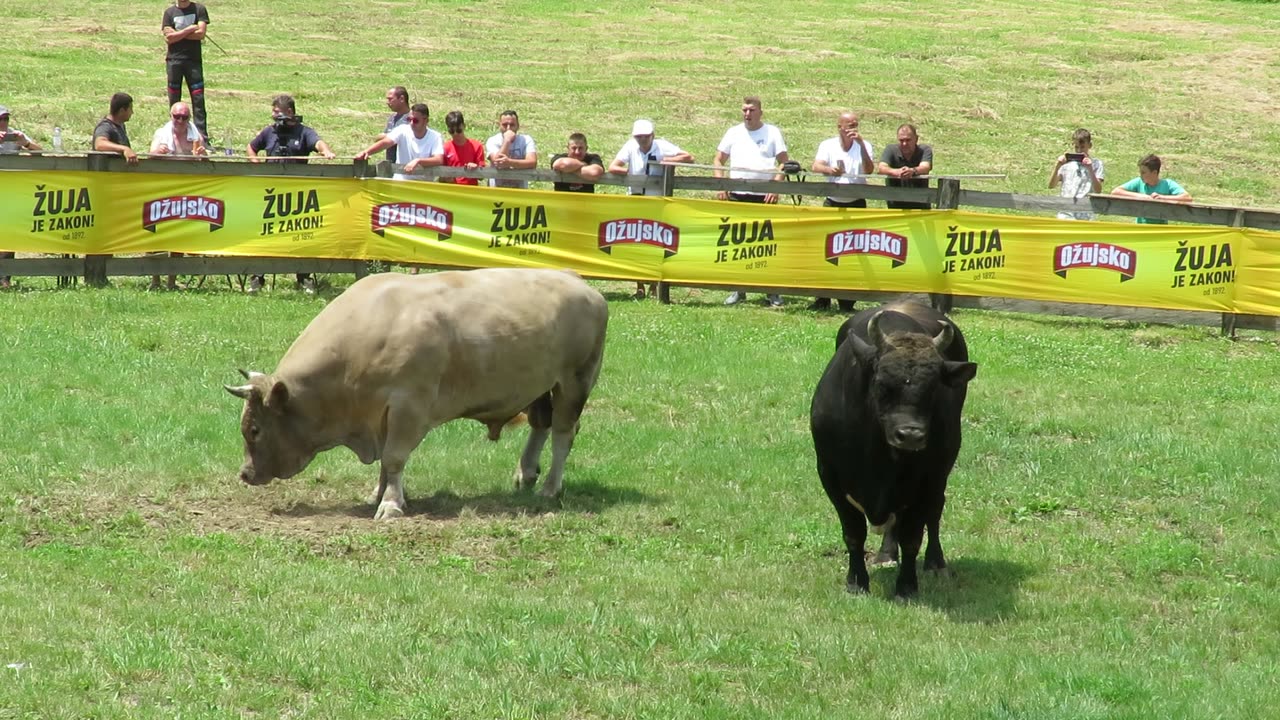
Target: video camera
282	121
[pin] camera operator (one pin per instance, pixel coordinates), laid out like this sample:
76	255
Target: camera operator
286	139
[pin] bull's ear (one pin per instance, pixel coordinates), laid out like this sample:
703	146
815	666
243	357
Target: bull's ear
956	373
278	396
240	391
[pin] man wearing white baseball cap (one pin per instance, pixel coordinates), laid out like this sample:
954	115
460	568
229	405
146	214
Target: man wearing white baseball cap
634	159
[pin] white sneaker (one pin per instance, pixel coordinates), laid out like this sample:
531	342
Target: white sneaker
309	285
255	284
775	301
735	297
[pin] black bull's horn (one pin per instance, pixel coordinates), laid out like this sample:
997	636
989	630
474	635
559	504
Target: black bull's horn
941	341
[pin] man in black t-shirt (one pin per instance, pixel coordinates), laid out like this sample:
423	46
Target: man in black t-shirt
184	27
110	134
587	165
906	164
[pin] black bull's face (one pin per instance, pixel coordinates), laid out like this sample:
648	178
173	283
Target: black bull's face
273	446
908	371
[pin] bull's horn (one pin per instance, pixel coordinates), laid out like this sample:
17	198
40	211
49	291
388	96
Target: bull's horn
250	374
942	340
874	332
240	391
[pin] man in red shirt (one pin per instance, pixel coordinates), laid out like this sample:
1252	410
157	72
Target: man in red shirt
460	150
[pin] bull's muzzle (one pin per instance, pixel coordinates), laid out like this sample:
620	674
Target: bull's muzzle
249	477
908	437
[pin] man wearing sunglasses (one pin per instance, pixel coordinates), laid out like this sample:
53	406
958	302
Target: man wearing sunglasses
416	144
179	136
176	138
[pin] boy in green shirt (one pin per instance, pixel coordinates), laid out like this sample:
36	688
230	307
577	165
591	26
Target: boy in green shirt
1150	186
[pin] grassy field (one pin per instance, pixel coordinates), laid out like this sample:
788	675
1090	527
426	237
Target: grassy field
1112	519
996	87
1111	528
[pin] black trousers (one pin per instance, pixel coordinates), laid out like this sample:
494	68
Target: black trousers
192	71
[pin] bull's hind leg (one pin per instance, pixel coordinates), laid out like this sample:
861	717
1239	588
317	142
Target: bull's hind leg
567	401
527	470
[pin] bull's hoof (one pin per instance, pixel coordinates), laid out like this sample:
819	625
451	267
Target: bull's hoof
905	593
551	493
856	589
388	511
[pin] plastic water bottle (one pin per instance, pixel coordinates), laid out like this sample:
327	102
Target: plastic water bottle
57	139
226	144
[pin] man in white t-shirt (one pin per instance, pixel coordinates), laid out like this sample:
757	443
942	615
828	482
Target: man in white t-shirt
634	159
845	159
752	150
511	150
416	144
179	136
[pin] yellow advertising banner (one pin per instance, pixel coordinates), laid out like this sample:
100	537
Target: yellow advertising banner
647	238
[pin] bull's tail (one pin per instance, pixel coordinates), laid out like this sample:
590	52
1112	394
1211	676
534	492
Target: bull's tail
496	428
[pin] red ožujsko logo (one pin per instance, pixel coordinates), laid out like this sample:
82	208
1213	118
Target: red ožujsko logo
639	231
1106	256
411	215
846	243
183	207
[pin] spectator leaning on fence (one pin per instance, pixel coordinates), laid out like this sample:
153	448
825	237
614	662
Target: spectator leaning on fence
286	139
460	150
111	135
1079	173
511	150
398	102
845	159
176	138
417	145
907	164
634	159
751	150
11	143
1150	186
578	161
184	26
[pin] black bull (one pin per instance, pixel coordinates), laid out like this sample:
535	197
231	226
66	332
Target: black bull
886	428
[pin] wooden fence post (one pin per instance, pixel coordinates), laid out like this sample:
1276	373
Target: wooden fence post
668	190
948	199
95	266
1229	319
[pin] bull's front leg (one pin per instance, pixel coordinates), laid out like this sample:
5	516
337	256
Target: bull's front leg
390	495
561	444
909	533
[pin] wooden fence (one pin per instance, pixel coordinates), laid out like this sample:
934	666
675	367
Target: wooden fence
944	193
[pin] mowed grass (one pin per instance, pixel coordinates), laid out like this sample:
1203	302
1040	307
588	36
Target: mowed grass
1111	531
996	87
1112	519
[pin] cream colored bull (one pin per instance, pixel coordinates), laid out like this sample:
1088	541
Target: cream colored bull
397	355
